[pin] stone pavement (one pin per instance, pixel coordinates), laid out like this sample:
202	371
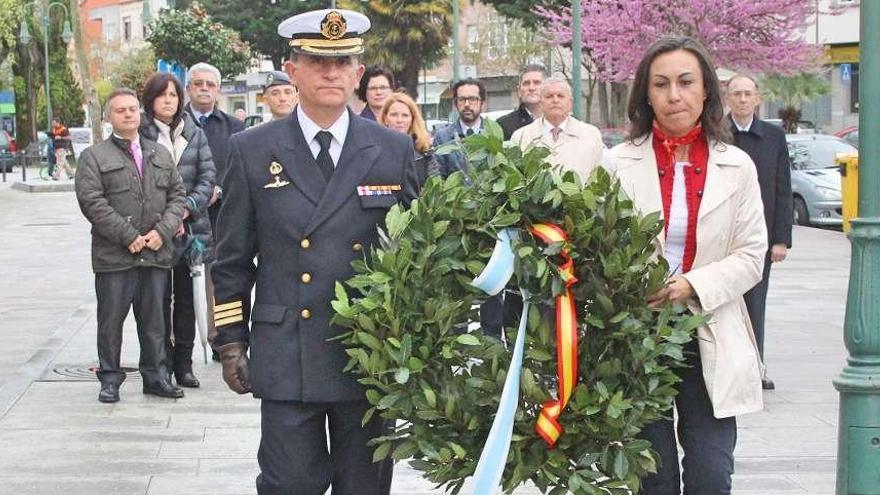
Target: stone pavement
57	438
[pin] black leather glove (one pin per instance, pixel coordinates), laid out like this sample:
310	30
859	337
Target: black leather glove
234	359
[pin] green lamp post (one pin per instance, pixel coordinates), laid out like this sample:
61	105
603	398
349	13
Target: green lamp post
43	10
858	441
577	45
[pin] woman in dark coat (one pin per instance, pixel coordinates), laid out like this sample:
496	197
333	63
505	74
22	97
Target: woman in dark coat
400	113
165	122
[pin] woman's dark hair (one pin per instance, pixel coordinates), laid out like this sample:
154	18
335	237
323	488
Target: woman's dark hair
639	111
154	87
371	72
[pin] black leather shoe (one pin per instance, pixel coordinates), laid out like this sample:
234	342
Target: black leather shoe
164	389
109	393
767	384
186	379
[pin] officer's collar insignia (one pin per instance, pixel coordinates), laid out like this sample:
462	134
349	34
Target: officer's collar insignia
274	168
333	27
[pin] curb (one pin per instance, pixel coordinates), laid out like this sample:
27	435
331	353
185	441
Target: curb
43	357
46	187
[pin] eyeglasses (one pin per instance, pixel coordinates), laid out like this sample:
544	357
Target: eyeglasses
201	83
468	99
378	88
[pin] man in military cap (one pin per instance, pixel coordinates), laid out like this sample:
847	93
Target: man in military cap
305	194
280	94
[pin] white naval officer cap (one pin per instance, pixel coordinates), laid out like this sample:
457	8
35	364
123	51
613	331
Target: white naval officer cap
326	33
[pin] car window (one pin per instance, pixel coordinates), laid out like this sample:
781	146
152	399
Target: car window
4	140
853	138
816	153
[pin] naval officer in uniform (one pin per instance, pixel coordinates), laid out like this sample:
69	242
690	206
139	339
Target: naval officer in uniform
304	195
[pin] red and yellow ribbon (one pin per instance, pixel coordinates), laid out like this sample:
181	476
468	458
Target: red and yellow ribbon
548	426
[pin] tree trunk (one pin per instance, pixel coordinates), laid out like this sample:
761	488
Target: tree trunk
618	104
85	76
26	99
408	77
603	104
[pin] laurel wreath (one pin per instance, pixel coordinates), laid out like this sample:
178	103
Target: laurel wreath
410	307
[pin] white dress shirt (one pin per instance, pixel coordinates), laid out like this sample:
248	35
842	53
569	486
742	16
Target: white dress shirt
310	129
743	128
547	126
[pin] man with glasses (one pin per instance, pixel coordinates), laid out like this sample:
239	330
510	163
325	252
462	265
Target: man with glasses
469	96
529	91
765	144
375	86
203	89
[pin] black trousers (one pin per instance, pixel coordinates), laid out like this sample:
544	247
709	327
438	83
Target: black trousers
708	442
756	304
293	454
180	319
142	289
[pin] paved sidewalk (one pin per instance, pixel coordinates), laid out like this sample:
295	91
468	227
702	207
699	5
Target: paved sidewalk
57	438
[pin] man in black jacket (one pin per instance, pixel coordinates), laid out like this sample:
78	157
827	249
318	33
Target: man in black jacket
132	194
305	194
765	144
203	89
529	90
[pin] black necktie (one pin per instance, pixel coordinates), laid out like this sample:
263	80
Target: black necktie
470	131
325	162
203	119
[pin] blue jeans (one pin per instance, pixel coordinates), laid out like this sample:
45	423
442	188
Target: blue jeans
708	442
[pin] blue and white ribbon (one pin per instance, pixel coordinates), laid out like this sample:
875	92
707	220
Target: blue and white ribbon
492	280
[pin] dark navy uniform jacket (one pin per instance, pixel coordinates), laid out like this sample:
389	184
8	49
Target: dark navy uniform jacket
305	234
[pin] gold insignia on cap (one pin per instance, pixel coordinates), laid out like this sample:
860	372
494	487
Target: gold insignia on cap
333	26
275	168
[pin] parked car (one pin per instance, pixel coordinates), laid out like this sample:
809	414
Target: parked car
433	125
803	126
612	136
815	178
7	151
850	135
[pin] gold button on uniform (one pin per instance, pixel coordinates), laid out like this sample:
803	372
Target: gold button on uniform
306	314
357	247
304	243
306	278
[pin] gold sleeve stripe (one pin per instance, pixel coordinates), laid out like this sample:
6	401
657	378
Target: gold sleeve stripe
227	306
227	321
227	314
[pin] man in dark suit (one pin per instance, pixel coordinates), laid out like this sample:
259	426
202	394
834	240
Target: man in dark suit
529	91
305	195
203	89
765	144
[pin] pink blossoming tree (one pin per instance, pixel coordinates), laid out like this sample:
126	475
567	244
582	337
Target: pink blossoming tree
744	35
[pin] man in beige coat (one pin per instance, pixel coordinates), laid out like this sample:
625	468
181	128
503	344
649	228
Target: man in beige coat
573	144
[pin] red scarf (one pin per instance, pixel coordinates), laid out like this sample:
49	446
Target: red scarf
694	180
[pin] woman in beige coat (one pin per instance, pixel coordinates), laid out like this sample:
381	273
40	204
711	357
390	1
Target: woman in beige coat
677	162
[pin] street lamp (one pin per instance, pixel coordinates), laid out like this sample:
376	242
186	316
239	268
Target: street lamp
858	441
24	36
577	42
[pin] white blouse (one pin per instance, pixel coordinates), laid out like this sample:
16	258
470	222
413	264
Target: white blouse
676	228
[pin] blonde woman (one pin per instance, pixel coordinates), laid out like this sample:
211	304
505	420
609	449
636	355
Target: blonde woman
400	113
